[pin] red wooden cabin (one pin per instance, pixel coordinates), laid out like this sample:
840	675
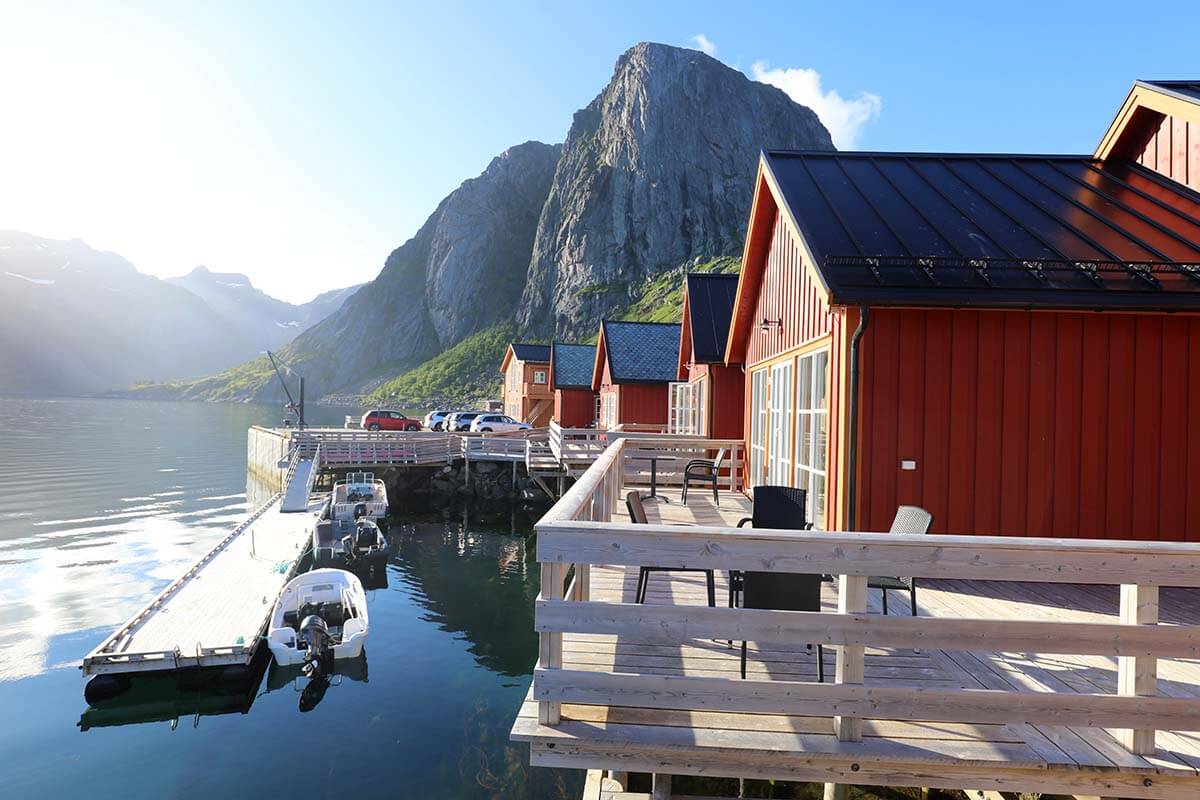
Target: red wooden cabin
526	389
575	403
635	363
1012	342
708	400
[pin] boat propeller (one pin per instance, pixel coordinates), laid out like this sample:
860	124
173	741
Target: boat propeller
318	654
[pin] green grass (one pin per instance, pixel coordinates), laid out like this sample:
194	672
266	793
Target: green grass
660	299
468	371
235	383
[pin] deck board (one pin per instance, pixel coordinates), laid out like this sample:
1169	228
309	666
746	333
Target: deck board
748	738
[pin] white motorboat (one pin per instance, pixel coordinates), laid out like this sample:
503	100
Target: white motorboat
359	488
320	616
356	542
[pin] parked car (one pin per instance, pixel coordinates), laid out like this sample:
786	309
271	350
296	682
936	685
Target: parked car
383	420
500	423
434	420
461	420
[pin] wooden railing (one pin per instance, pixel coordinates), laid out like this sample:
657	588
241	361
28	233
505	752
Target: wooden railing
579	532
576	444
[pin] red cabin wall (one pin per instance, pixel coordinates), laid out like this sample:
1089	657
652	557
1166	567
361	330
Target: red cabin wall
574	408
1173	150
1032	423
788	292
726	387
642	403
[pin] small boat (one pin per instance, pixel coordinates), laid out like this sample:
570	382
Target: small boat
360	488
321	616
356	542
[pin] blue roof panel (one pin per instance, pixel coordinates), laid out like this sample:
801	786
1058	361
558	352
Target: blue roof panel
571	365
642	352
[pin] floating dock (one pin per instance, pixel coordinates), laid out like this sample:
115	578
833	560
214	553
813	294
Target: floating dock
215	613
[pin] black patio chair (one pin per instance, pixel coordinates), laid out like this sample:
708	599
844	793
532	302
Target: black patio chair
909	519
637	513
781	507
703	470
783	591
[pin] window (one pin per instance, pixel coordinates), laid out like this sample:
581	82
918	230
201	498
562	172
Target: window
811	431
779	424
758	426
608	410
539	376
684	416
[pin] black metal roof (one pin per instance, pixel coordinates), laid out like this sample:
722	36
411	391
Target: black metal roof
571	365
1187	90
537	353
641	352
994	230
710	297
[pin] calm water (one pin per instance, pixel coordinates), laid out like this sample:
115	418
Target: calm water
102	503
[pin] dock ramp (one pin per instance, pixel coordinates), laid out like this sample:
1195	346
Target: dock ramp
298	483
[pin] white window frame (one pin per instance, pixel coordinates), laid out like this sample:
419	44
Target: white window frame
758	425
812	407
539	376
779	422
684	414
608	410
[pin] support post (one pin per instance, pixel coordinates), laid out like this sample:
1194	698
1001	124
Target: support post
836	791
660	786
852	598
550	644
1137	676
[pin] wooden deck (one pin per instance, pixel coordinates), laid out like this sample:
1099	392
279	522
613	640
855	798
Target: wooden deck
214	614
633	688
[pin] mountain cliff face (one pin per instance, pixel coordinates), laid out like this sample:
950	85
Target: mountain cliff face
655	172
463	271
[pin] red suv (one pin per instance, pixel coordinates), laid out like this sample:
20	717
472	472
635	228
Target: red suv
379	420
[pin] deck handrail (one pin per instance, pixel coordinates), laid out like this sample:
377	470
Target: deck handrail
579	532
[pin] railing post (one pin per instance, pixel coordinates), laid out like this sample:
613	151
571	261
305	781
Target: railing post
550	644
852	598
1137	676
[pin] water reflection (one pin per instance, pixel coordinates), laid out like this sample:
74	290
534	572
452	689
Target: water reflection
451	644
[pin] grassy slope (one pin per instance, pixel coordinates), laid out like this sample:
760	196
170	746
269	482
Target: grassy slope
470	370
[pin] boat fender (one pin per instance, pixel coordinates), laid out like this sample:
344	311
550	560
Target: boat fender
105	687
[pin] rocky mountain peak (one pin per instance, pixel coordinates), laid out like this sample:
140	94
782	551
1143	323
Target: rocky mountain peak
656	171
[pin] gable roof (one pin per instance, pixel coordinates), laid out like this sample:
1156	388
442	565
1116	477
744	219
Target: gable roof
571	365
1147	103
637	352
534	353
993	230
707	309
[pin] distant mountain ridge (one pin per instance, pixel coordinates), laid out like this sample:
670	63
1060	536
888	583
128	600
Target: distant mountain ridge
77	319
655	174
256	316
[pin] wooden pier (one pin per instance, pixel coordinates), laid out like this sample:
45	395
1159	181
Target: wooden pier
215	613
1036	665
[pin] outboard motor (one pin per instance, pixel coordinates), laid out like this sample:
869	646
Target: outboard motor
360	510
318	655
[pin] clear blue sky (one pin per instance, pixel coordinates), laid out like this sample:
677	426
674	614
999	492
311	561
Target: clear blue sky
300	142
